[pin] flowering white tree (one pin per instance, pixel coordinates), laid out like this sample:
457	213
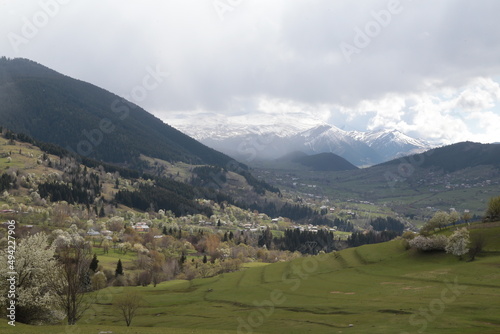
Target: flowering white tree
35	265
458	243
426	244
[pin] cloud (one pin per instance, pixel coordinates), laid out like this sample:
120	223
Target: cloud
285	53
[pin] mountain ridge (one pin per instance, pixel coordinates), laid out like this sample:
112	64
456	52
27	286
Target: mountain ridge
82	117
248	141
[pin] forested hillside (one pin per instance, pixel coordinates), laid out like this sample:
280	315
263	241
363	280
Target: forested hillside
88	120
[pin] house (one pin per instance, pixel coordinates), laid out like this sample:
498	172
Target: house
141	227
93	232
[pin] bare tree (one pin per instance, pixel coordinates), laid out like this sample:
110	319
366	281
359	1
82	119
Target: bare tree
127	304
71	280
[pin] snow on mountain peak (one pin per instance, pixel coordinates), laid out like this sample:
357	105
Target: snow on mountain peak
270	135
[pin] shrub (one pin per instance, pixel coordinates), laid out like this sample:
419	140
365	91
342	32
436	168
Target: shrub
428	244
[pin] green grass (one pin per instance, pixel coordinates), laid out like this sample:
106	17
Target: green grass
380	288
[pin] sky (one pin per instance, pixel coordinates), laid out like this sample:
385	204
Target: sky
430	69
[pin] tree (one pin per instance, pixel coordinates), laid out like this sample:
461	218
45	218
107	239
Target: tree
458	243
105	246
94	263
453	217
35	266
156	267
99	281
212	243
439	220
477	243
466	216
119	268
70	279
127	304
493	211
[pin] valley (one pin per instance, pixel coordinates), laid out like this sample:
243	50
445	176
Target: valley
150	231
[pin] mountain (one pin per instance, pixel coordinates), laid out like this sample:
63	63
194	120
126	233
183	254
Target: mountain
263	138
325	162
88	120
390	144
454	157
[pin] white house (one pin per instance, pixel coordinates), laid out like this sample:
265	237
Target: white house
141	227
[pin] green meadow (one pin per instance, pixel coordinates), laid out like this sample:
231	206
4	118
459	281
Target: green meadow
381	288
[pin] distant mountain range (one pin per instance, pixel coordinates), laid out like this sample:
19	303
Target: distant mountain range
268	142
88	120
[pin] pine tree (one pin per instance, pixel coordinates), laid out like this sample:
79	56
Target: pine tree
101	212
94	263
119	268
182	259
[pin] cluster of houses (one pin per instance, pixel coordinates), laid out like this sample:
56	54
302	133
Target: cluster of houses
139	227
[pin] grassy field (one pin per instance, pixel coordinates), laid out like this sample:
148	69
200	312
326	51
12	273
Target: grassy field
380	288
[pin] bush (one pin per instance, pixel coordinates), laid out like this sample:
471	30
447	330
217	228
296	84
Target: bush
429	244
99	281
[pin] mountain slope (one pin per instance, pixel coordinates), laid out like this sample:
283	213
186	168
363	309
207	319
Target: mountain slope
325	162
86	119
330	139
390	144
455	157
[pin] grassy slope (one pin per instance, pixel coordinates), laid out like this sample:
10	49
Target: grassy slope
378	288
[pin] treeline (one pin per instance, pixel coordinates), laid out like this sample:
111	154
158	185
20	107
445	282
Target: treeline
387	224
371	237
209	176
154	198
306	242
82	190
7	182
259	186
295	212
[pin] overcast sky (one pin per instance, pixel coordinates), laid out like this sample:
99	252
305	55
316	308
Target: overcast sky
428	68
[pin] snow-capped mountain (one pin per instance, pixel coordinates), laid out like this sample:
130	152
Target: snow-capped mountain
391	144
260	138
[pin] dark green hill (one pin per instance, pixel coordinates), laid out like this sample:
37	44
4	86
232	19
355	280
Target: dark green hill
292	156
88	120
454	157
325	162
